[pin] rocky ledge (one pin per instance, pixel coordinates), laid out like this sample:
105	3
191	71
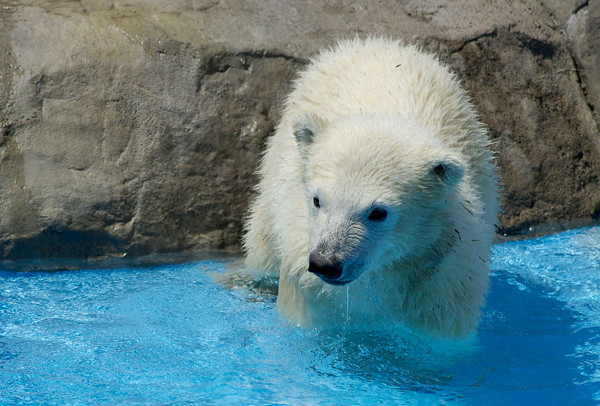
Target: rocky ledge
133	127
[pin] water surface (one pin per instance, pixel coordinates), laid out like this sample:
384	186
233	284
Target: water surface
170	335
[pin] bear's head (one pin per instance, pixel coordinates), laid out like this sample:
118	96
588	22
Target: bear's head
379	190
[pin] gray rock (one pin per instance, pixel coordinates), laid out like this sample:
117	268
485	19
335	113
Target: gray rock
583	29
135	127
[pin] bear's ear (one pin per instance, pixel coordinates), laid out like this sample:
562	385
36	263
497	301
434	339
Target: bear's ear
448	170
307	128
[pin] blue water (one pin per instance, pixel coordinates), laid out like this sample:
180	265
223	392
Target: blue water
170	335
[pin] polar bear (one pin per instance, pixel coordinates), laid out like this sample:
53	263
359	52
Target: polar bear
378	194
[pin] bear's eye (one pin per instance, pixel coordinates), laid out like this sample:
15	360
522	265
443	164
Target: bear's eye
316	202
378	214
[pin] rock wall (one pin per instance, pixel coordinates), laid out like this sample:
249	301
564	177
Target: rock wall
135	126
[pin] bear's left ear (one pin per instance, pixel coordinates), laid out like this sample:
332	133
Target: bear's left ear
448	170
307	128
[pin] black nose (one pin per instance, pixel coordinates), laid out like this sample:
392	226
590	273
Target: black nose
320	267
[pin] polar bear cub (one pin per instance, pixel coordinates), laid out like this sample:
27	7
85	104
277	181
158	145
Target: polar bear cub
378	194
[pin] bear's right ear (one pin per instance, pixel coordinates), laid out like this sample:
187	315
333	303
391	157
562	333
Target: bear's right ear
307	128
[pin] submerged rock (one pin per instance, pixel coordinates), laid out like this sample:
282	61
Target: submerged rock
136	126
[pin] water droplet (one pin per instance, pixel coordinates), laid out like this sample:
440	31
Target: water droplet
347	303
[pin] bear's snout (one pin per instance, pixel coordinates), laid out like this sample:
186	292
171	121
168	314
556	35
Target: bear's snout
328	271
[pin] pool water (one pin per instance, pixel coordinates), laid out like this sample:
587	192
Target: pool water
169	335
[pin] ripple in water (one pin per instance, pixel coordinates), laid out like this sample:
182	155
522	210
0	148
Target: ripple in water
170	335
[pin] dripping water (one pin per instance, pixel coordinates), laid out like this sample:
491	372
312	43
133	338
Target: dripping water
348	303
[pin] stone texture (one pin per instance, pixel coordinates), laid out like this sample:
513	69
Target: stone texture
135	126
583	30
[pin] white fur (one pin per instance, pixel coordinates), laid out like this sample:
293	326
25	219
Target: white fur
374	123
